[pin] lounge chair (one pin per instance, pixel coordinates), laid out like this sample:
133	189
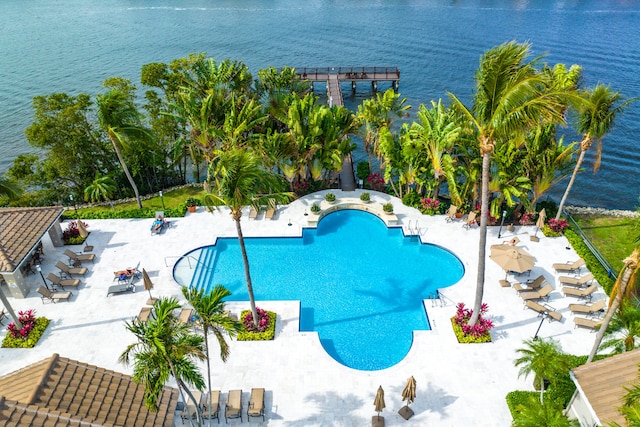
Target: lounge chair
543	309
511	242
233	408
568	266
189	411
471	219
505	283
451	213
66	271
576	281
530	285
125	286
159	223
587	323
76	257
586	293
215	406
542	294
145	313
256	403
588	308
48	295
253	213
185	315
58	282
271	209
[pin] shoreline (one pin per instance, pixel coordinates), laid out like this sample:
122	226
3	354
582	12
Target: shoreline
620	213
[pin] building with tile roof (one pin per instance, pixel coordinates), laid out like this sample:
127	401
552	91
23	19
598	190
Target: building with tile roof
58	391
21	230
601	387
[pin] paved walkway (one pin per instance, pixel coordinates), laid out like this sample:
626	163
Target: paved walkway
457	385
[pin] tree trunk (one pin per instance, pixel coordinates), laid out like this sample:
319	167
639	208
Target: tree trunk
183	386
205	330
12	313
624	281
573	178
247	273
127	173
482	246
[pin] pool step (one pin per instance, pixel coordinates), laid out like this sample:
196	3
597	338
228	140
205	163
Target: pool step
204	268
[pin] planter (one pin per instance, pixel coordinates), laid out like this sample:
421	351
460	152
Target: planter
459	215
192	208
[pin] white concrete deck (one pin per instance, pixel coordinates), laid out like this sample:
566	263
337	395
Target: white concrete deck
457	385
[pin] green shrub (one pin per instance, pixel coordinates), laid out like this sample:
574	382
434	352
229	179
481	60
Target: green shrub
412	199
594	266
518	397
267	335
192	201
330	197
33	338
315	208
126	213
365	197
387	207
78	240
363	170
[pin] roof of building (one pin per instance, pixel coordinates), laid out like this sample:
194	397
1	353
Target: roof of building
603	383
20	231
58	391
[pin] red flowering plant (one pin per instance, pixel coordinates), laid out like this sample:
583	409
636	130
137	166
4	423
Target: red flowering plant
28	320
476	333
429	206
263	321
376	181
71	235
526	219
558	225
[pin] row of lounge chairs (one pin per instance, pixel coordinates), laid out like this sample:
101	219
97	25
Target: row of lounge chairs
269	214
450	216
65	279
232	409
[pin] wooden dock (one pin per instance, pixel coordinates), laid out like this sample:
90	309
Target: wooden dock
333	76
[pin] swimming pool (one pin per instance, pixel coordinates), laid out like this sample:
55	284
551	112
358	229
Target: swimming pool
360	284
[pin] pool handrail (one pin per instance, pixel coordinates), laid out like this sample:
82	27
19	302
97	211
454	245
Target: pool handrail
188	258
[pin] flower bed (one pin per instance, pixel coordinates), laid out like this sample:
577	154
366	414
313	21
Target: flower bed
71	236
30	333
266	326
477	333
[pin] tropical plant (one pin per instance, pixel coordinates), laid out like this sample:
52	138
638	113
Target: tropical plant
315	208
387	207
365	196
165	348
623	290
511	97
545	359
119	118
191	202
596	118
209	308
102	188
536	414
481	330
631	406
240	180
330	197
623	333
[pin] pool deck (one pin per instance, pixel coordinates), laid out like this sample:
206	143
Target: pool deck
457	385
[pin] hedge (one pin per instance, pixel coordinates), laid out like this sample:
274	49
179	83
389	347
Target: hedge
594	266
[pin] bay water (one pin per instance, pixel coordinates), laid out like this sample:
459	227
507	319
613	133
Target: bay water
71	46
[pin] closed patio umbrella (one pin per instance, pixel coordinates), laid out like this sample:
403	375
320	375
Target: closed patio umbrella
379	402
148	285
542	216
84	233
408	394
512	258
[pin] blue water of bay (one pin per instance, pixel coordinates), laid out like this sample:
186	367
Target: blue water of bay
71	46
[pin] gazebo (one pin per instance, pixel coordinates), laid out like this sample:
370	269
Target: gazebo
21	231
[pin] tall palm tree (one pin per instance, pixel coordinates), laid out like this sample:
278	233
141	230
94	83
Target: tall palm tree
240	181
102	188
165	348
545	359
596	118
624	289
119	118
511	97
623	333
209	307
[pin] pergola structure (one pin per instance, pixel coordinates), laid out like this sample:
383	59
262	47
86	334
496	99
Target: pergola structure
21	230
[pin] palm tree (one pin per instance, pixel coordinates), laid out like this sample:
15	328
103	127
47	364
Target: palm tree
9	189
102	188
536	414
624	289
511	97
119	117
598	113
240	181
209	307
545	359
623	333
165	348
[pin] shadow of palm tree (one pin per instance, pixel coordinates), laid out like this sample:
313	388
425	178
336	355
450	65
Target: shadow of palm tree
331	409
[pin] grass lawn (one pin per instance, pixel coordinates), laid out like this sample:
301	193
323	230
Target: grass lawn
172	198
611	235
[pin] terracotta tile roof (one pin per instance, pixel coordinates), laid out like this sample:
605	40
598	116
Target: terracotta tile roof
602	383
20	231
60	392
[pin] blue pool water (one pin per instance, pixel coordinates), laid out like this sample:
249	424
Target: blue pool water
360	284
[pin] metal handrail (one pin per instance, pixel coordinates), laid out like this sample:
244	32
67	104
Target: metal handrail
596	253
189	258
